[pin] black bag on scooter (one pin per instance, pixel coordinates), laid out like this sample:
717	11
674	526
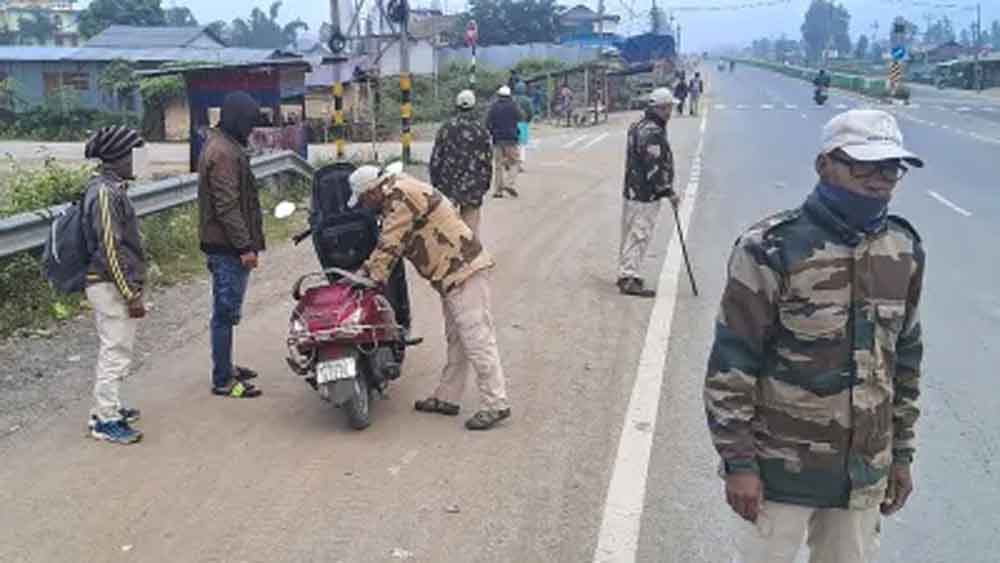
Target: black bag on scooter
344	238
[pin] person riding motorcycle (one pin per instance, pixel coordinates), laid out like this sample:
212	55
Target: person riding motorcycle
822	80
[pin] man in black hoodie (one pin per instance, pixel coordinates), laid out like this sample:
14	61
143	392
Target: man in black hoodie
231	232
502	122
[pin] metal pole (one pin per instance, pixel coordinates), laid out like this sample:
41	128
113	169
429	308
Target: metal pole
405	84
338	86
687	261
977	68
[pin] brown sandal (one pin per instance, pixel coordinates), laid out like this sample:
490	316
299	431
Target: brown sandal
435	405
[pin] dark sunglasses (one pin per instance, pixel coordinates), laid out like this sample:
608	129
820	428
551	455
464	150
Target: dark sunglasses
891	170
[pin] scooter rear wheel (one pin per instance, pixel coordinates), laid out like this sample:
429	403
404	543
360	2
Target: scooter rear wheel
358	409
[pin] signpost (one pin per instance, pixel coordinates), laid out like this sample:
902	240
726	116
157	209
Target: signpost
471	39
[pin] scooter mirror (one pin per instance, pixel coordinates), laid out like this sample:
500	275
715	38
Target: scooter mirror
284	210
393	169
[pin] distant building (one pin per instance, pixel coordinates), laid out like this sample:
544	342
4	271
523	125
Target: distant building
581	25
140	37
62	13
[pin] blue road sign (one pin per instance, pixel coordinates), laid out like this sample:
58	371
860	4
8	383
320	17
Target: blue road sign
898	53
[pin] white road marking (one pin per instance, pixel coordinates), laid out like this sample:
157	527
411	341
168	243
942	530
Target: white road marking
963	109
742	106
914	106
841	106
575	142
720	106
989	109
599	138
766	106
804	116
791	106
618	539
949	204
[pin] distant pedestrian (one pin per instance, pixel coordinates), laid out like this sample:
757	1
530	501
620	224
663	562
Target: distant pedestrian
231	233
813	380
649	177
502	122
566	102
115	280
524	125
695	89
681	94
461	165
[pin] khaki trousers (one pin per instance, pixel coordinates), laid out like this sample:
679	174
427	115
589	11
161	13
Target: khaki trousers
505	159
638	226
472	216
472	346
833	535
116	332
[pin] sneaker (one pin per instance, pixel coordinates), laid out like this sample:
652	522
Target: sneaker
130	416
117	432
486	419
634	287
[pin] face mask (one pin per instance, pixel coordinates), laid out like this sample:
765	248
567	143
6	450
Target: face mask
861	212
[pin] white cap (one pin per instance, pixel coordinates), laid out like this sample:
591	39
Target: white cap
466	99
662	97
504	91
867	135
368	177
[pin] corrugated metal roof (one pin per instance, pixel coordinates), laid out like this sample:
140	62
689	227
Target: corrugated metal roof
135	37
229	55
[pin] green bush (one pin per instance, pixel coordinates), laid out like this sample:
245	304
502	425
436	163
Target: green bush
53	123
29	189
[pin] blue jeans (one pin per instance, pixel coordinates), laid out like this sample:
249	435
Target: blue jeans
229	287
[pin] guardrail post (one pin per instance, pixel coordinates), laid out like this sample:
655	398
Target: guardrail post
338	118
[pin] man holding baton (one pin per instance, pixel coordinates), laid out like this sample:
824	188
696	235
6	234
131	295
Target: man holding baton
649	177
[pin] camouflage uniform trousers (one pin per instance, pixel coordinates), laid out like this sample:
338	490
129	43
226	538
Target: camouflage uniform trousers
638	225
472	345
505	168
834	535
116	333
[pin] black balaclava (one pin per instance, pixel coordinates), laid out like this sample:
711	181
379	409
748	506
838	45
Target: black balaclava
239	114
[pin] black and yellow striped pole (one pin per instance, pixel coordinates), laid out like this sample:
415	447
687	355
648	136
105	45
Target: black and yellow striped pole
338	118
406	113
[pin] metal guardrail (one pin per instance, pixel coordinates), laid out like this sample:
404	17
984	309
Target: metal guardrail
26	231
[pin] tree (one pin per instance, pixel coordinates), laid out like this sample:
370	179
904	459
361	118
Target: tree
180	17
785	49
995	34
221	30
939	32
119	81
103	13
37	28
262	31
761	48
861	49
503	22
965	38
877	52
826	26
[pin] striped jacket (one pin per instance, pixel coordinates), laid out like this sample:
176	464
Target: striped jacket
118	256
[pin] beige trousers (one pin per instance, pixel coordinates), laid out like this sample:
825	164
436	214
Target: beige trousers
638	225
116	332
472	346
833	535
505	159
472	216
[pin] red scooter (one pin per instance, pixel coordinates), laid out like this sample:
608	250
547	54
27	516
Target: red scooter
343	337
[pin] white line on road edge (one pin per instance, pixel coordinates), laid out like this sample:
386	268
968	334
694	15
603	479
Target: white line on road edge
599	138
720	106
791	106
766	106
949	204
618	540
575	142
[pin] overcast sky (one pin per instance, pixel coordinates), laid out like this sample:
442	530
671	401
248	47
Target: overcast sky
699	31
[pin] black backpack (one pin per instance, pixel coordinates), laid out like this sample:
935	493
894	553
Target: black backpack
68	249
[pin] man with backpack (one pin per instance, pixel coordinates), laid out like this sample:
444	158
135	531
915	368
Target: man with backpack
115	278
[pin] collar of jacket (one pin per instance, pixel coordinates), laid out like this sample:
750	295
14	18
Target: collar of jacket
828	219
245	149
107	175
651	115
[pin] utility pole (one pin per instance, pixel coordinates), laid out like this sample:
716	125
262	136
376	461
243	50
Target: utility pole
600	19
338	86
977	71
405	81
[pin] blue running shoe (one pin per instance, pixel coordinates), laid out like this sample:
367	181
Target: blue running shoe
118	432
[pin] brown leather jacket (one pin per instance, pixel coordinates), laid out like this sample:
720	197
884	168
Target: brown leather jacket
231	221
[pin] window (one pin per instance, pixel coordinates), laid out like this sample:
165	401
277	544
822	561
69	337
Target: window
79	81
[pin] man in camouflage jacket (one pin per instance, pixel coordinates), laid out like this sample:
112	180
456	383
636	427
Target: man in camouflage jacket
812	385
649	177
419	223
462	161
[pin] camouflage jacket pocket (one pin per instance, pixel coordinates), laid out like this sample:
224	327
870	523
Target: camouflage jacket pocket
888	325
810	321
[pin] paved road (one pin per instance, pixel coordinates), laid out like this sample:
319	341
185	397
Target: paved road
281	479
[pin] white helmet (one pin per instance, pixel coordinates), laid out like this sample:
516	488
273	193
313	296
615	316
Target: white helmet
466	99
504	92
662	97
